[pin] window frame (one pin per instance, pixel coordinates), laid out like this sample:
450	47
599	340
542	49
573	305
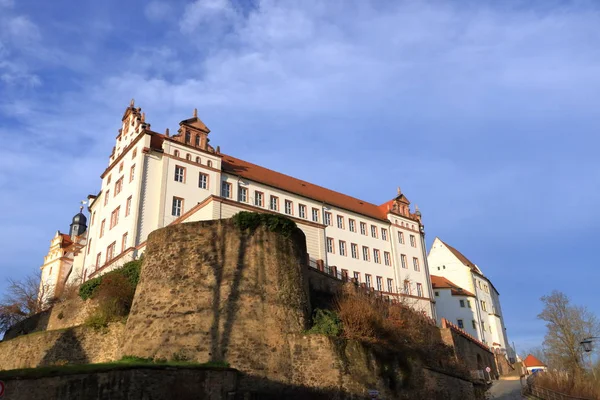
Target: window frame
354	251
315	214
363	228
342	247
242	194
302	211
200	176
327	218
276	203
132	173
376	256
387	258
259	195
174	208
177	175
340	221
352	225
226	188
404	261
288	210
416	265
330	245
374	233
366	253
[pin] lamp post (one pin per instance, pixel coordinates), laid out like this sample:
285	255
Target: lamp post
587	346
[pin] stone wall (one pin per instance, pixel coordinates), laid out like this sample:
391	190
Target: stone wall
64	314
80	345
128	384
470	351
209	292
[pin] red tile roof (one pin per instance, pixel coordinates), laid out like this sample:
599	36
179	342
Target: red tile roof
254	172
439	282
532	361
66	240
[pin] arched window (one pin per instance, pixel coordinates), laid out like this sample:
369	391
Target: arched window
188	157
197	140
188	137
198	160
176	153
209	163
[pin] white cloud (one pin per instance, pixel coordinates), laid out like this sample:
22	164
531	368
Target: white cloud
208	14
157	11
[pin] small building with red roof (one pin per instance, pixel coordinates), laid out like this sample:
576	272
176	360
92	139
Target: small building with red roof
532	364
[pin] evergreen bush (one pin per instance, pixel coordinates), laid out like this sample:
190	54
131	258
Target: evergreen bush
326	322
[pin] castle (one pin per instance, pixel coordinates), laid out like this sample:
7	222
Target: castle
156	179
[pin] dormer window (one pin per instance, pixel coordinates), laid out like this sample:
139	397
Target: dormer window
176	153
188	137
197	141
188	157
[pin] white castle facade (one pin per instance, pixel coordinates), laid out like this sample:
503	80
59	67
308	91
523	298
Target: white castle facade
466	297
154	180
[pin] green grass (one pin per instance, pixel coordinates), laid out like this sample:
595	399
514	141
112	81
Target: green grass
127	362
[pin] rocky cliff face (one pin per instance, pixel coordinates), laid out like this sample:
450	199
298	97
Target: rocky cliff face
210	292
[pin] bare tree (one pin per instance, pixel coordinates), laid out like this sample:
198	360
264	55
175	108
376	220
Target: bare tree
22	299
538	352
567	325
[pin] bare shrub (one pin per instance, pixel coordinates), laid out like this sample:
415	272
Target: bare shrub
583	385
22	299
114	296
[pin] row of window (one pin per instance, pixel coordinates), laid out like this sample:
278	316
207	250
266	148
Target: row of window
118	184
461	325
366	254
188	157
413	240
110	251
114	217
483	286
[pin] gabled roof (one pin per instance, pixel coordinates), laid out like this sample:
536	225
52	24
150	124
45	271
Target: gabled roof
439	282
532	361
254	172
461	257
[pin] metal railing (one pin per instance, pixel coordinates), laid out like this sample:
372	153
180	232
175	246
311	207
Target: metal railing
531	389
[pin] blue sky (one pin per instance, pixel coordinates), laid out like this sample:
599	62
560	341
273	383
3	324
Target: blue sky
484	113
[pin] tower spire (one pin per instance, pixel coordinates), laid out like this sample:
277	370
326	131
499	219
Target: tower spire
132	103
195	113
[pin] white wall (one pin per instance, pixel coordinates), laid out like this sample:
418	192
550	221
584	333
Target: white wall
448	306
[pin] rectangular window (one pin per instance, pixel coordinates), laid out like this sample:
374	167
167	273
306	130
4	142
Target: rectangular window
102	224
363	228
132	173
274	203
327	218
114	217
108	180
226	189
124	242
461	325
373	231
368	280
403	259
379	283
340	222
110	252
437	294
342	248
357	276
376	256
177	208
416	264
352	225
354	250
462	303
242	194
289	207
128	206
258	199
483	325
118	186
387	258
469	303
329	245
390	285
179	174
401	237
384	234
406	287
366	253
98	260
301	210
134	154
121	167
483	305
203	181
106	197
413	242
315	214
474	324
419	290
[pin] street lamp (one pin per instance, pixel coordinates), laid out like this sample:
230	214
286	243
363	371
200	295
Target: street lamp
586	343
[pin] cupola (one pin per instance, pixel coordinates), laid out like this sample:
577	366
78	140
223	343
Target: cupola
78	225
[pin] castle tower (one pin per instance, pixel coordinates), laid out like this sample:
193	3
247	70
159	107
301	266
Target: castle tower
194	132
78	224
